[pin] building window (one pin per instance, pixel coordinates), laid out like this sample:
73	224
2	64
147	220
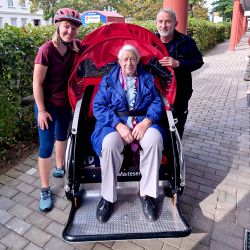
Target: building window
13	21
23	21
10	3
36	22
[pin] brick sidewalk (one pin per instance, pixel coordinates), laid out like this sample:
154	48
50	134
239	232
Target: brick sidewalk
217	151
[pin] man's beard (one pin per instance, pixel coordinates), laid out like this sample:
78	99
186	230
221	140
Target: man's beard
166	33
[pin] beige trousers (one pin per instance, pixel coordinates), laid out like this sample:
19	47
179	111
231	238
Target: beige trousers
150	158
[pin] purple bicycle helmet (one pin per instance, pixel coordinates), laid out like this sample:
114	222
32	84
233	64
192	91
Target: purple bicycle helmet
67	14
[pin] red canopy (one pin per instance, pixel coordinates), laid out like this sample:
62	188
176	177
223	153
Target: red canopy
101	47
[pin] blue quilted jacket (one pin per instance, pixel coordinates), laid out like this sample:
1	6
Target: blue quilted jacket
111	98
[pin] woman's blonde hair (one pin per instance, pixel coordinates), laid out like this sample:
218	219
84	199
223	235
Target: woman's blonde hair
56	39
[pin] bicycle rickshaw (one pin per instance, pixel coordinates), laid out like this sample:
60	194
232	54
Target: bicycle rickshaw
83	175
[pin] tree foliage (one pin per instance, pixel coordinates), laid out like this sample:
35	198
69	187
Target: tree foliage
136	9
224	7
200	12
197	9
83	5
47	6
196	2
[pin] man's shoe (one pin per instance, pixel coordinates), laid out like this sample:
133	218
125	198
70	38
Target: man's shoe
149	207
58	172
45	203
104	210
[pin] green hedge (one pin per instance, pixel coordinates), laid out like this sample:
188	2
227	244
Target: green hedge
16	62
18	47
205	33
208	34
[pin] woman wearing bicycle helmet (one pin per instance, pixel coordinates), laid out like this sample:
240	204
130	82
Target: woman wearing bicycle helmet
53	64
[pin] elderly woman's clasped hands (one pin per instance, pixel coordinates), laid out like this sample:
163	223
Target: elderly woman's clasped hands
137	133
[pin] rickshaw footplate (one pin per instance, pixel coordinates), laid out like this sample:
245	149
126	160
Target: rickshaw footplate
127	220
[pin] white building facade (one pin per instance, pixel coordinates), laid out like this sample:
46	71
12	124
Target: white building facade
16	14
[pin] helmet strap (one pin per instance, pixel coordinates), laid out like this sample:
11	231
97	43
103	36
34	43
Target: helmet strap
66	43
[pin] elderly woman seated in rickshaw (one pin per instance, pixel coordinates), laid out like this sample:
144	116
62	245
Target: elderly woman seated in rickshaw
128	110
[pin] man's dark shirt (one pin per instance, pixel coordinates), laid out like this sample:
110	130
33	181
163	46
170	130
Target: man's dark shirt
183	48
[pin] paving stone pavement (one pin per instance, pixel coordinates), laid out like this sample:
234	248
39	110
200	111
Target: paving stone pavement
216	201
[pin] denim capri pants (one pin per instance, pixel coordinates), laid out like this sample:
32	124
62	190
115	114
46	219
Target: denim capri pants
58	128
